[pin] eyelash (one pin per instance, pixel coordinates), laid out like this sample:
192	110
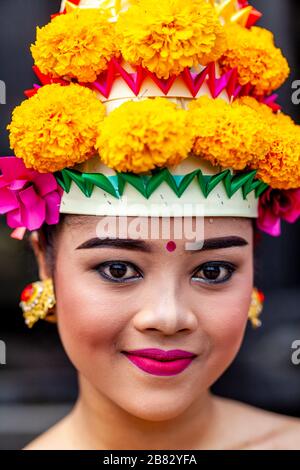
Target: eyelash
231	268
111	279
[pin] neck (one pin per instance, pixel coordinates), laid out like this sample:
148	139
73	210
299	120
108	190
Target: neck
104	425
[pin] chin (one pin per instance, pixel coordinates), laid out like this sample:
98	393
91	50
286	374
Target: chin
157	409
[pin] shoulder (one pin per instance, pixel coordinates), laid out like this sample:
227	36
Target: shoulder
260	429
55	438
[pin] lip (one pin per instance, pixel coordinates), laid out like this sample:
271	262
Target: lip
159	362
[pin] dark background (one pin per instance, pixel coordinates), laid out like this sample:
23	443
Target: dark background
38	384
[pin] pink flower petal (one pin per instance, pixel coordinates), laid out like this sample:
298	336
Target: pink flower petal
273	229
294	213
33	209
13	168
8	201
16	185
14	219
45	183
275	205
52	208
3	182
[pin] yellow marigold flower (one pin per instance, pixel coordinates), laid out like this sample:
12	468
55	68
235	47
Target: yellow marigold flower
280	166
75	45
265	111
257	59
57	127
251	102
227	135
141	135
165	36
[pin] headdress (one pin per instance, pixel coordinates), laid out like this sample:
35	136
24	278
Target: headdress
151	107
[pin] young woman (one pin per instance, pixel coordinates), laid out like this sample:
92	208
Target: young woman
116	297
141	164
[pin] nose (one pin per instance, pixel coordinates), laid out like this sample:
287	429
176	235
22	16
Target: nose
166	311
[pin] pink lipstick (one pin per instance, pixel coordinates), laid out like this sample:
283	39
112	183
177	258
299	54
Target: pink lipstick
160	362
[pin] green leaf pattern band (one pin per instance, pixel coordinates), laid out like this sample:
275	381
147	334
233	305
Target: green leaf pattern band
147	184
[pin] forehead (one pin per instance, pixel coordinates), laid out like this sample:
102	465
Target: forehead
155	229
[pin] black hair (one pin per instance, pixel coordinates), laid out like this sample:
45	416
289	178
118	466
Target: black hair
48	235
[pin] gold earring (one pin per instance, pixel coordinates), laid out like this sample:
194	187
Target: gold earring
38	301
256	307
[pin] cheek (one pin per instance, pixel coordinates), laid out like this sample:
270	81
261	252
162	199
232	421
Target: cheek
88	315
224	324
227	319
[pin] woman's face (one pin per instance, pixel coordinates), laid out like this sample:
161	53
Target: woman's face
123	295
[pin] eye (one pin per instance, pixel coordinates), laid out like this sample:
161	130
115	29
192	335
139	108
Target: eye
214	272
118	271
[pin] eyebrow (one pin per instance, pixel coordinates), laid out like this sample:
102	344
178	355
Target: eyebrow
142	245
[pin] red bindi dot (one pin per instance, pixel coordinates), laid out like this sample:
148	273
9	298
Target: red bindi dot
171	246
